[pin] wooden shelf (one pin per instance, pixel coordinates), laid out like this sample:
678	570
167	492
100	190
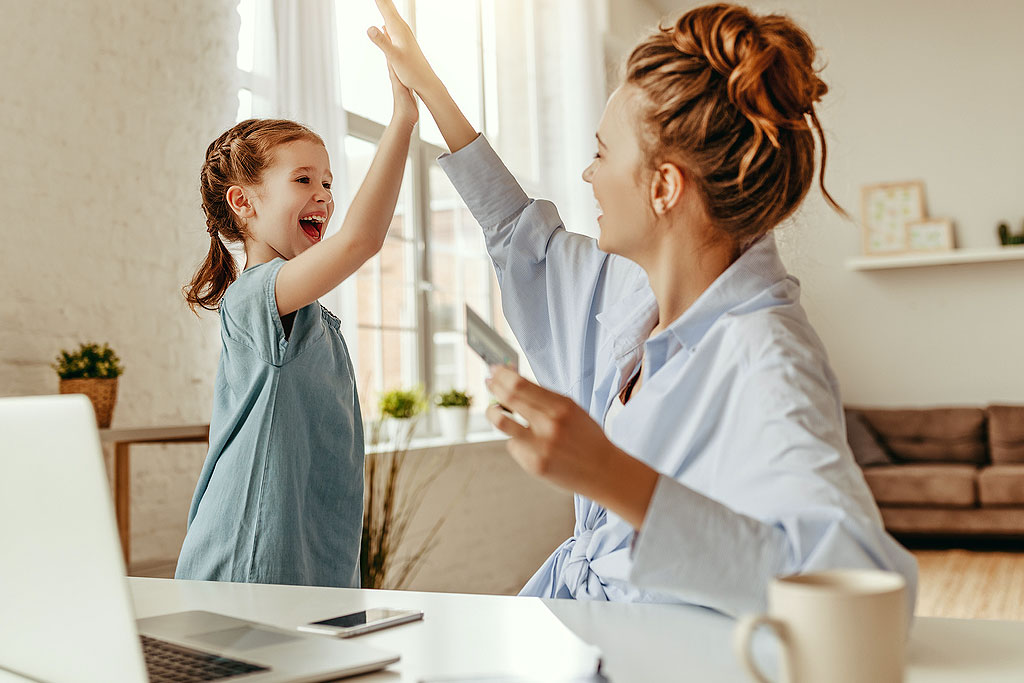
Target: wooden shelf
944	258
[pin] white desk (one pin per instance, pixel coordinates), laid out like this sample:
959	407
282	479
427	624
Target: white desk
475	634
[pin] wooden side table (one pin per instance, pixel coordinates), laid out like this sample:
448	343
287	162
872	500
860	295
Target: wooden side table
122	440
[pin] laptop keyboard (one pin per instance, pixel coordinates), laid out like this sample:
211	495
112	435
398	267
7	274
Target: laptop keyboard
167	663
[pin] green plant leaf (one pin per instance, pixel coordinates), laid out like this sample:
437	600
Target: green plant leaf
88	361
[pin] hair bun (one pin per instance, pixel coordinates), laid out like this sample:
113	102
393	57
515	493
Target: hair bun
767	63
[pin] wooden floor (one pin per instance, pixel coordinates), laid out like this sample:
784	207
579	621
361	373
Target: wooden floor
970	584
953	582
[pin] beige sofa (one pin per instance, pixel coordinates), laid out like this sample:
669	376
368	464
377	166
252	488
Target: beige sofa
943	471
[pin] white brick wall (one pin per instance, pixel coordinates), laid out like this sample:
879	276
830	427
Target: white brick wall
106	110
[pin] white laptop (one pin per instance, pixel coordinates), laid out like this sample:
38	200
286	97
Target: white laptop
65	611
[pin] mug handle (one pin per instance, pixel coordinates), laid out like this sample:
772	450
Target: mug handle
744	632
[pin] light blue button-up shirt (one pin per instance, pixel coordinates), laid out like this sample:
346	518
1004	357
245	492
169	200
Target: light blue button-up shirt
739	412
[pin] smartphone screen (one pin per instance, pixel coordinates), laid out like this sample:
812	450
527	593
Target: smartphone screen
362	622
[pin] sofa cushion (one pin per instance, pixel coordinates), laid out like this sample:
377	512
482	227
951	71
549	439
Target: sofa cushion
932	485
932	434
1006	434
864	444
1001	485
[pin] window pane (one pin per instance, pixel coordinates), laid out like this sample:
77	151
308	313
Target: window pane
244	105
387	360
365	87
386	354
461	273
449	33
246	35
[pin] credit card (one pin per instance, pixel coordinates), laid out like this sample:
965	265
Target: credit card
486	341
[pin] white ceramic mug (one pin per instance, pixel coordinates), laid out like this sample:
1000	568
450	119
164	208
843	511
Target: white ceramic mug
839	626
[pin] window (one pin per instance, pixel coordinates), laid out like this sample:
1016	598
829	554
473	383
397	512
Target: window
403	310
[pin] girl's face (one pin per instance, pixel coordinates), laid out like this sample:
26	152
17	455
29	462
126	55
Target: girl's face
615	174
293	202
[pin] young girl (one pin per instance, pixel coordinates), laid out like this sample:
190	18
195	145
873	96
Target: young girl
280	496
693	401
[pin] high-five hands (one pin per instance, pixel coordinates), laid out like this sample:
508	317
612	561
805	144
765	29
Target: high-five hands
397	42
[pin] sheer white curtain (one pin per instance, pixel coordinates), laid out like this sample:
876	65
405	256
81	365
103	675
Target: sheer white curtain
572	90
297	61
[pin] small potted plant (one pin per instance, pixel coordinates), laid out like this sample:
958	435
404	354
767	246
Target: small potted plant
91	369
453	413
399	408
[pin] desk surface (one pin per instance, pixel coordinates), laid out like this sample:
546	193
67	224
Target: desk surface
464	635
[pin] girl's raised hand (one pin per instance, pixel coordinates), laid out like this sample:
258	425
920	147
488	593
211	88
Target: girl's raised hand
399	45
405	109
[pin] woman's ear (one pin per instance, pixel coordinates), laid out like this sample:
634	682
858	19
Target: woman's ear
667	183
239	203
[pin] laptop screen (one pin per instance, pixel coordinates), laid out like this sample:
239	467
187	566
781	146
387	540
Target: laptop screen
66	612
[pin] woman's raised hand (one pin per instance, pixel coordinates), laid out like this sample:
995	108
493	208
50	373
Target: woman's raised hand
399	45
397	42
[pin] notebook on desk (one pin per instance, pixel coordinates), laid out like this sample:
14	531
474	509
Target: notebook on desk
65	611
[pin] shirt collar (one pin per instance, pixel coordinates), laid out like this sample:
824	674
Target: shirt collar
630	321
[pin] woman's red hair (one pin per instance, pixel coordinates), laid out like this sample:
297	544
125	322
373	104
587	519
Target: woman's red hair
730	96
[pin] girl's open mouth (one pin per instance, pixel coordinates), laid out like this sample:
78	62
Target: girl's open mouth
313	226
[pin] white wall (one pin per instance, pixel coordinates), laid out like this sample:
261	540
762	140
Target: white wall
930	90
106	111
625	23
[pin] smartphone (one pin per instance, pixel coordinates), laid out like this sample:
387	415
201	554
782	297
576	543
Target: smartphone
358	623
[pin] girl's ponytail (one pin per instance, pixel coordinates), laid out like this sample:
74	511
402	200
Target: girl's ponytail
237	157
210	282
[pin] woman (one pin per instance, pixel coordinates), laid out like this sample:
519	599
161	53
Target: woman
688	398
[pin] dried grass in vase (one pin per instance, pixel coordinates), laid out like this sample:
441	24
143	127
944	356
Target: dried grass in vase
388	511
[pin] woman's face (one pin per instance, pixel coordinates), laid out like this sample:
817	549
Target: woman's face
615	174
293	201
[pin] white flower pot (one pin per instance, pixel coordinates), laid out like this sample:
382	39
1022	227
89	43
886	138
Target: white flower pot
396	433
454	422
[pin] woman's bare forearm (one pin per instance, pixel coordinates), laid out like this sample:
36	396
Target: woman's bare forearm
453	124
625	487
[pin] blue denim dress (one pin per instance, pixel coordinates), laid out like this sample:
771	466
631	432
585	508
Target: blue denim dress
280	496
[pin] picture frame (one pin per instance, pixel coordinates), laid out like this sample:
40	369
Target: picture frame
886	208
929	235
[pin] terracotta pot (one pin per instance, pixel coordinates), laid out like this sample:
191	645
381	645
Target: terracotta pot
101	392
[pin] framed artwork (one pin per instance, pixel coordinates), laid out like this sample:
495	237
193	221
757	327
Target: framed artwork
885	211
930	234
